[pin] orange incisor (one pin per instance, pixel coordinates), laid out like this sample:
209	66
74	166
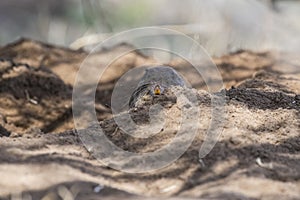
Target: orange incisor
157	90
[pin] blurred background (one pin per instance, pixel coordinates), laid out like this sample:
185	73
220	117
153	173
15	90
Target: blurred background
221	26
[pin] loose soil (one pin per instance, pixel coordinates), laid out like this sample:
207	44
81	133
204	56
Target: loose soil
257	156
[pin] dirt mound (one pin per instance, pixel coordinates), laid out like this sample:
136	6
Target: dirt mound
37	81
256	157
32	98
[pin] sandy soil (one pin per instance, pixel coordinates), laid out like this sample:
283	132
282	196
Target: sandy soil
42	157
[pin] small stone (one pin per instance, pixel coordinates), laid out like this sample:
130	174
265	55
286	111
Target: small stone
4	132
98	188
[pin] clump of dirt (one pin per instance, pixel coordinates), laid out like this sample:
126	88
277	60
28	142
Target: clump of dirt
42	156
